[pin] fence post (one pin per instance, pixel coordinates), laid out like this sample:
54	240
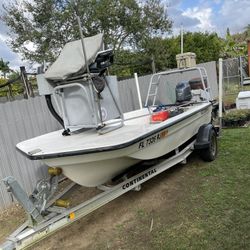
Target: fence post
11	92
241	73
220	92
153	64
28	91
138	90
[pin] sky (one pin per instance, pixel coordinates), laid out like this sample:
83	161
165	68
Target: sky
194	15
209	15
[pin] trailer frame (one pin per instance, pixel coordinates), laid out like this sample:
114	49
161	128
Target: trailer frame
26	235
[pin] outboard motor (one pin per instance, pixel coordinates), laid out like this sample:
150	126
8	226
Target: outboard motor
183	91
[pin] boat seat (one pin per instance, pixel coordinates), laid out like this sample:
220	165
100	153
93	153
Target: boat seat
103	60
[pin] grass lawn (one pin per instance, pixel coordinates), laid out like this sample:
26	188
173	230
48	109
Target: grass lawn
216	214
213	212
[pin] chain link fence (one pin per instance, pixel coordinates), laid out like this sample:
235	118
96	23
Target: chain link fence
234	72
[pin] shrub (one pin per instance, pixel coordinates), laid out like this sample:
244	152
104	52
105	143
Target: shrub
236	117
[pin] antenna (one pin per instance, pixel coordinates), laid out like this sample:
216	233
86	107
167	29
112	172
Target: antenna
81	34
97	98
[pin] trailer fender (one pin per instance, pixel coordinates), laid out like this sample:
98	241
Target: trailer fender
204	136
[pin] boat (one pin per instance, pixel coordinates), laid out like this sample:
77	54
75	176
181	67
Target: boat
98	141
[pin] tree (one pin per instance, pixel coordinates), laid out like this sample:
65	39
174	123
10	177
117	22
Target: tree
48	24
206	46
247	31
241	38
4	67
163	51
234	45
128	62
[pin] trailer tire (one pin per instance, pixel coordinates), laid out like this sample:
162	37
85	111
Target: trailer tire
210	153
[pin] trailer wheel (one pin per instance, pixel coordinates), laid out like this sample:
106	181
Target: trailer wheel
210	153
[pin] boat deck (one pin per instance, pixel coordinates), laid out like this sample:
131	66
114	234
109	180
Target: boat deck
137	127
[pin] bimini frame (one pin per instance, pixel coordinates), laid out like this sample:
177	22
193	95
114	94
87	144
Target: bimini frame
155	82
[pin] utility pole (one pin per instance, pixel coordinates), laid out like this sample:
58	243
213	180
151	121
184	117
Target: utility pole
248	55
181	38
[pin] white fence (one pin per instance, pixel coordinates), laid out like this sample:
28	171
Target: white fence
24	119
21	120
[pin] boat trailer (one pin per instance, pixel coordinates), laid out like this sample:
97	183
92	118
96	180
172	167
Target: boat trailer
46	217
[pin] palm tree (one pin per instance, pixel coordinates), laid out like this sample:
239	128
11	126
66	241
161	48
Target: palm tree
247	31
234	45
4	67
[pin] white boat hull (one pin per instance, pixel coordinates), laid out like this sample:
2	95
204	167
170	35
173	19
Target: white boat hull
94	169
